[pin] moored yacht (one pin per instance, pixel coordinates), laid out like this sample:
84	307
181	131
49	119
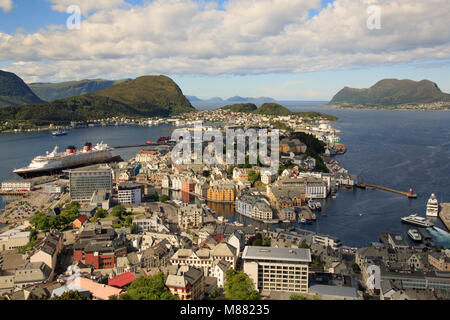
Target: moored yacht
432	206
417	221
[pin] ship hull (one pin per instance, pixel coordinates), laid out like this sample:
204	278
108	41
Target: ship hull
27	174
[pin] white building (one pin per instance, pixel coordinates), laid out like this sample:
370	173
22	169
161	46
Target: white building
17	185
277	269
130	193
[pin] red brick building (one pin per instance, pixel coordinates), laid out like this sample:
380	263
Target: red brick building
99	254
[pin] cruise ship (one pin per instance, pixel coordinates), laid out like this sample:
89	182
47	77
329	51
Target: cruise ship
417	221
54	162
432	206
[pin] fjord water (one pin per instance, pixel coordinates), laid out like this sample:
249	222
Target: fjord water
397	149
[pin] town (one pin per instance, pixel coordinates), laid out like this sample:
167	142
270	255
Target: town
148	229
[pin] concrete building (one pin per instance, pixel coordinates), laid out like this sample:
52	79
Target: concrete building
190	216
277	269
14	239
83	182
17	185
130	193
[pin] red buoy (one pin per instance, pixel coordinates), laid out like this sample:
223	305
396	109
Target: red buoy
410	191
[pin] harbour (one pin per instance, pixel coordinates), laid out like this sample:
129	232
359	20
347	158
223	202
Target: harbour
356	216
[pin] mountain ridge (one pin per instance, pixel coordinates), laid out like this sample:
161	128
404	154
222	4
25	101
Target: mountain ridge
388	92
14	91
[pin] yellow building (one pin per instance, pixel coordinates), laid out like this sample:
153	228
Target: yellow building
222	193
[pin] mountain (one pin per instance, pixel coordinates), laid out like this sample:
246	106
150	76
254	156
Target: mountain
273	109
54	91
193	98
389	92
146	96
259	100
14	92
241	107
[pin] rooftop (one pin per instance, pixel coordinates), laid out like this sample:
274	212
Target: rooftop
276	254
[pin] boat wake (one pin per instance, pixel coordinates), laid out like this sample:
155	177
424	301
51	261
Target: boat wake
443	232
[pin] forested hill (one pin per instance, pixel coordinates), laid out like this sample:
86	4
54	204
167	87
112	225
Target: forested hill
147	96
14	92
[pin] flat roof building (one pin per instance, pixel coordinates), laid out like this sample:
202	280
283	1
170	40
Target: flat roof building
85	181
277	269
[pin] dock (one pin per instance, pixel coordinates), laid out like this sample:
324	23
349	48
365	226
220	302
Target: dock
444	214
14	193
374	186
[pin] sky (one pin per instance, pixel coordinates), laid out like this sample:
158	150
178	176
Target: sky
285	49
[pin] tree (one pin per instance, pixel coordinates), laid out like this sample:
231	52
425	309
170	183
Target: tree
253	176
148	288
164	198
356	268
154	196
266	242
297	297
230	170
238	286
304	245
100	213
70	295
118	211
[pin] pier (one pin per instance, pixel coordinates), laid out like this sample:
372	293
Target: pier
444	214
374	186
13	193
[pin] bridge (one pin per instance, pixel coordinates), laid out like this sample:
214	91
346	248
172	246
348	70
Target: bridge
374	186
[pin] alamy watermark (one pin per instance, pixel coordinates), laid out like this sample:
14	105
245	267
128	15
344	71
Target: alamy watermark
74	20
374	19
240	147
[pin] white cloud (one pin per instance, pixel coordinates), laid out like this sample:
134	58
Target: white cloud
6	5
86	6
247	37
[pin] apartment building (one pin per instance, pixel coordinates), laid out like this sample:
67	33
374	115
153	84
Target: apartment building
277	269
130	193
84	182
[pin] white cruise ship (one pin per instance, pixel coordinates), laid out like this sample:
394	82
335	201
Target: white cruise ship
432	206
54	162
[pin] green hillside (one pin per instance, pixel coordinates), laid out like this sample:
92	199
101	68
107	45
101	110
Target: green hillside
14	92
390	92
54	91
143	97
273	109
241	107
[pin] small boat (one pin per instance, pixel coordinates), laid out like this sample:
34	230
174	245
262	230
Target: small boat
325	215
312	205
432	206
59	133
360	214
313	217
303	221
415	235
318	206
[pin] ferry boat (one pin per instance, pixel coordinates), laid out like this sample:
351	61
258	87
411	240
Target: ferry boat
58	133
415	235
417	221
432	206
54	162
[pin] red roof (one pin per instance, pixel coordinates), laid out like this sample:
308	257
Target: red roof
122	280
82	218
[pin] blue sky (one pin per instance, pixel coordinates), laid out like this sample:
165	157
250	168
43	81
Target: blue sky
316	78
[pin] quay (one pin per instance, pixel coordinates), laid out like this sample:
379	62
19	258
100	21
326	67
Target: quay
14	193
374	186
444	214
